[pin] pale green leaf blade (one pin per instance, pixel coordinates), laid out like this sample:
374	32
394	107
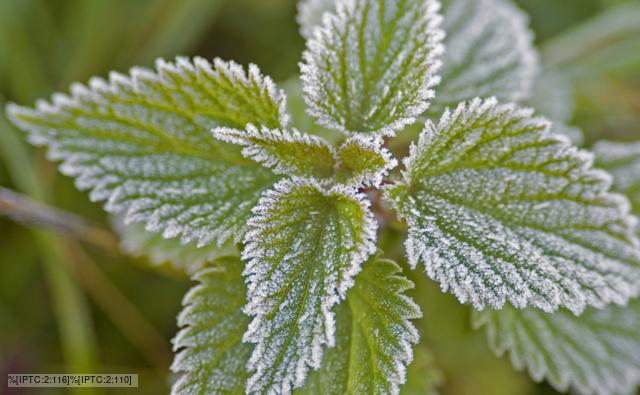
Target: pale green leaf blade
371	66
285	152
142	143
363	161
605	44
211	357
622	161
360	161
501	210
374	336
310	14
489	52
552	97
136	241
303	247
597	352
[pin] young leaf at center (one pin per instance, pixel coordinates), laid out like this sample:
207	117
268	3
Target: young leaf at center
364	161
360	161
286	152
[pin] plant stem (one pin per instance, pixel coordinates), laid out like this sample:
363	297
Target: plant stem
25	210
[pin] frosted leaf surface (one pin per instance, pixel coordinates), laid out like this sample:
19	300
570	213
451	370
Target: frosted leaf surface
285	152
310	13
371	66
360	161
211	357
501	210
489	52
373	336
303	248
136	241
142	143
364	161
595	353
622	161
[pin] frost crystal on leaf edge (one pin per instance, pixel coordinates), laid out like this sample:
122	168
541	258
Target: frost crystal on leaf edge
253	254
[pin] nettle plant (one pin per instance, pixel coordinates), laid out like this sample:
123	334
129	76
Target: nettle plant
202	167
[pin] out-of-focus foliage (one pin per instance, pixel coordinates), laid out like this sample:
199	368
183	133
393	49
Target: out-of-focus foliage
125	311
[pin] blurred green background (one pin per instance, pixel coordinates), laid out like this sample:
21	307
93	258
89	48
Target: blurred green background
68	305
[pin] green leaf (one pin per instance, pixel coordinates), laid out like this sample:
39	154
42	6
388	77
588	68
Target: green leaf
595	353
489	52
371	66
211	357
360	161
285	152
143	144
373	336
501	210
363	161
622	161
186	258
303	248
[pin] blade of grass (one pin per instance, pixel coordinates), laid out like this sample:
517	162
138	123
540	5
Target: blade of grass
124	314
608	42
69	305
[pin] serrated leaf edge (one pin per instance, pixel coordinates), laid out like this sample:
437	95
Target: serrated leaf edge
308	75
376	144
258	154
117	83
251	256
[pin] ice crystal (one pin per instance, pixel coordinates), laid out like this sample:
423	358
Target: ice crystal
373	336
371	66
142	143
489	52
501	210
211	357
303	248
596	353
